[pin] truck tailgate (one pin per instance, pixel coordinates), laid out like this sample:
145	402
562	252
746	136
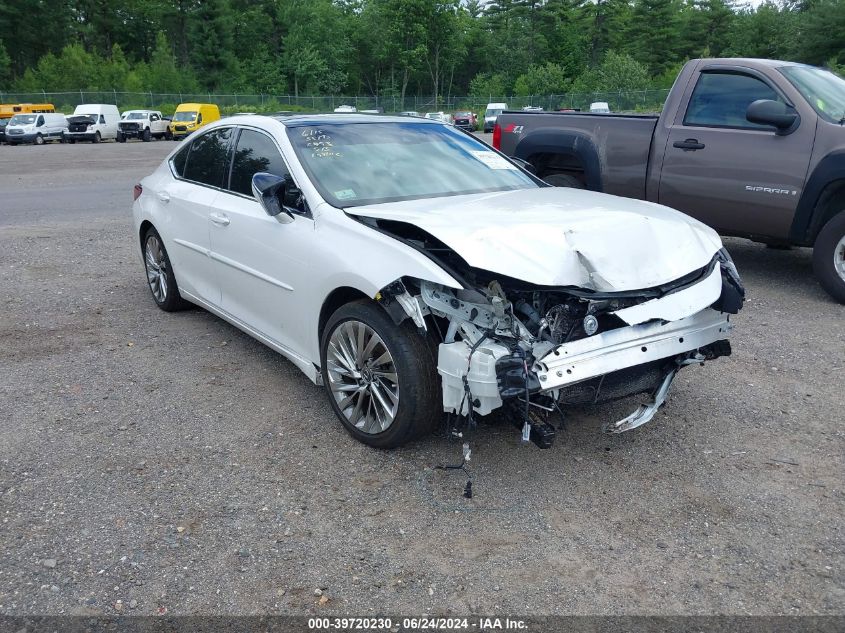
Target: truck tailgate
613	146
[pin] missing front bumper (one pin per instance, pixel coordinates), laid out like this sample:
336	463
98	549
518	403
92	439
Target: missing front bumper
630	346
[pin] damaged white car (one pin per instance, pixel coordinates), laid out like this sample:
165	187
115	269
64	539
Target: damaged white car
412	270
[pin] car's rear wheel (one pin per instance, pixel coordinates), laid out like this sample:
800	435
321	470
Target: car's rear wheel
829	257
160	277
381	378
563	180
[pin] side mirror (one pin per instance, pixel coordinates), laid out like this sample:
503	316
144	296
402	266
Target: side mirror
524	164
278	195
775	113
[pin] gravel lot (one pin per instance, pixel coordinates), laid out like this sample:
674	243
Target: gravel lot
153	461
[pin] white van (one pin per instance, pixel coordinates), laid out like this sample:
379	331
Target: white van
492	113
36	128
93	122
600	107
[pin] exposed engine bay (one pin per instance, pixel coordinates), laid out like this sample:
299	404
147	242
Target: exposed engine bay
506	343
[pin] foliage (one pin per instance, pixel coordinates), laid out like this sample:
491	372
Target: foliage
394	48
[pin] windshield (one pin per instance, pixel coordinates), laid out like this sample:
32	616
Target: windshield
4	121
371	163
137	115
822	89
493	112
23	119
184	116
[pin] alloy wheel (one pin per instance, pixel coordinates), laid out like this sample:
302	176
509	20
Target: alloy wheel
839	258
156	264
362	377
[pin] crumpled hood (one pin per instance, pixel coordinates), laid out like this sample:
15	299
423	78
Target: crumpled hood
555	236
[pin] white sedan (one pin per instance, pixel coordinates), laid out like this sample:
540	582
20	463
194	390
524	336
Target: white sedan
414	271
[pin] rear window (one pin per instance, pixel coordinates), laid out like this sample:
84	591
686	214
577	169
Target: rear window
208	158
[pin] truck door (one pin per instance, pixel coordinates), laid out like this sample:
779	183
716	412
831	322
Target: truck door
739	177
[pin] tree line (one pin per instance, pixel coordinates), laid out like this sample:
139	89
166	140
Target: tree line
390	48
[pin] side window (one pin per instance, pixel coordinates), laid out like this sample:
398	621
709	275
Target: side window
40	121
208	159
179	160
255	152
199	118
720	99
102	118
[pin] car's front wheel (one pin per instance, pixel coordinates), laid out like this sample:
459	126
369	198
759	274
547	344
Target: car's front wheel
829	257
381	378
160	277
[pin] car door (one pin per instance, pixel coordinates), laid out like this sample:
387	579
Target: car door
187	201
262	262
739	177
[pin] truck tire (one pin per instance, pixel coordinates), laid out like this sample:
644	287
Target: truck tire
563	180
121	138
168	135
829	257
97	137
145	135
39	140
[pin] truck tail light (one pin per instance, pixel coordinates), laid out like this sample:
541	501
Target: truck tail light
497	136
137	191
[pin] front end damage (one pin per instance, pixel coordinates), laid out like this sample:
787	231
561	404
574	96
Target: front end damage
536	350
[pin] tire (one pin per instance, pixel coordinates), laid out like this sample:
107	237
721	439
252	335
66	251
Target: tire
563	180
97	137
160	278
417	407
168	135
72	141
121	138
145	135
829	257
39	140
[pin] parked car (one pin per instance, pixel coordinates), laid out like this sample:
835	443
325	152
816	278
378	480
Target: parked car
530	108
345	108
441	116
93	122
36	128
491	114
409	113
3	123
412	270
465	120
754	148
190	117
143	124
600	107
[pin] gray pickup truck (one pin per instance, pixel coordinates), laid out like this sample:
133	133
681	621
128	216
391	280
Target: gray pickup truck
754	148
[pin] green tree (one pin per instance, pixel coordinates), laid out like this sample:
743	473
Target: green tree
617	72
5	67
542	79
488	86
161	74
211	44
822	28
654	35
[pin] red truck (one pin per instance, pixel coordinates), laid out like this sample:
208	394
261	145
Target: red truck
754	148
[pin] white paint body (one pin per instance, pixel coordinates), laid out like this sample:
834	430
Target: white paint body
271	278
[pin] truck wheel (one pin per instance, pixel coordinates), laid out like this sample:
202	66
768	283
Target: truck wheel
563	180
168	135
121	138
829	257
381	378
97	137
145	136
39	140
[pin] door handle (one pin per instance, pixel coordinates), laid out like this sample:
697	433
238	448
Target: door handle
163	196
220	219
689	145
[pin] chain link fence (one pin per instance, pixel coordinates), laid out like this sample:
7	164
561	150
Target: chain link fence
622	101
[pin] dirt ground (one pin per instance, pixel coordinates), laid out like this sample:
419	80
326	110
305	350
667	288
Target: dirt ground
155	461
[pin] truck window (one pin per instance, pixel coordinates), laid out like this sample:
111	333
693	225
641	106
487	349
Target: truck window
255	152
720	99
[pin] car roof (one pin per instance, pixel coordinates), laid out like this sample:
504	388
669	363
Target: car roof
324	119
750	61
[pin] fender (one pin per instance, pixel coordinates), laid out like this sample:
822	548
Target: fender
809	217
567	143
